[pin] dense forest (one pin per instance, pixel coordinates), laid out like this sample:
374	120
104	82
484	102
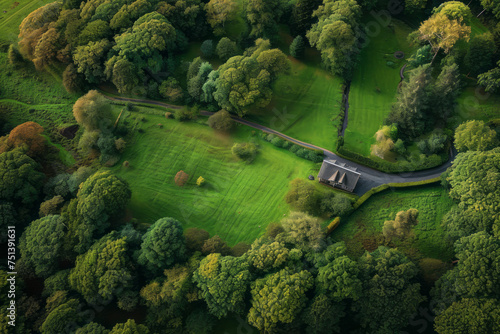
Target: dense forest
77	259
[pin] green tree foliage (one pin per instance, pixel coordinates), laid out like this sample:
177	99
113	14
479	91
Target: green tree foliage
434	144
335	204
302	230
61	318
244	82
492	6
215	245
194	68
475	136
14	56
387	277
402	226
223	281
480	56
226	49
8	217
267	256
20	179
171	90
220	12
475	276
414	7
322	316
187	16
221	121
195	84
41	244
445	90
195	238
297	47
334	35
339	279
163	245
455	10
103	272
57	282
167	297
103	190
129	13
92	328
491	79
409	110
94	31
302	15
469	316
421	57
142	45
72	80
263	16
474	181
51	206
302	196
130	327
207	48
245	151
123	73
90	58
270	306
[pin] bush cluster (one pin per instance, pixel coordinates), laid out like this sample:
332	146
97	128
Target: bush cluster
301	152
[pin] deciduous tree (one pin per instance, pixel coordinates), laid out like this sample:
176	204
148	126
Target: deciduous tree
475	136
223	282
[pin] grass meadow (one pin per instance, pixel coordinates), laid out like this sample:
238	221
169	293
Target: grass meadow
305	105
12	14
362	230
238	200
374	85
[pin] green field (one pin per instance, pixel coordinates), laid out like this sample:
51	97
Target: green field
304	104
374	86
238	200
12	14
363	229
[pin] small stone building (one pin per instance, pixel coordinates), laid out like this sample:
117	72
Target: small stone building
338	175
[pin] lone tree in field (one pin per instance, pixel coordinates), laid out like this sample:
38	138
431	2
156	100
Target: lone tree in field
181	178
221	121
402	225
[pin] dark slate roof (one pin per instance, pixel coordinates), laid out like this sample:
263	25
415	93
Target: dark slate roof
339	173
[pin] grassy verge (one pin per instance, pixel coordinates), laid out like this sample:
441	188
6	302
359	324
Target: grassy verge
238	200
363	229
374	86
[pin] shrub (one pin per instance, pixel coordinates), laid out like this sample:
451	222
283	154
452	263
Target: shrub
226	49
207	48
126	164
200	181
51	206
183	114
245	151
302	196
335	204
221	121
195	238
297	47
171	90
181	178
28	134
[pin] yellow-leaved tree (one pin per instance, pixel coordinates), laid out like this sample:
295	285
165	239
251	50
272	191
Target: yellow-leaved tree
442	32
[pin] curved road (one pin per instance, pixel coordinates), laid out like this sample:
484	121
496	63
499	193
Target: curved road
370	177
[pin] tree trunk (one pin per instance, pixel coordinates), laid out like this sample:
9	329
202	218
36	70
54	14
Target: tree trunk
434	57
481	13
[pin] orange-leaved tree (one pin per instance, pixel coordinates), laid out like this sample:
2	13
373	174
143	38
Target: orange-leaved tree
28	134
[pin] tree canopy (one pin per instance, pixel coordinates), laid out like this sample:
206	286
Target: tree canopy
223	281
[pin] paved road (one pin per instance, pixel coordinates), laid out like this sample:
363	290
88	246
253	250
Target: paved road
370	177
